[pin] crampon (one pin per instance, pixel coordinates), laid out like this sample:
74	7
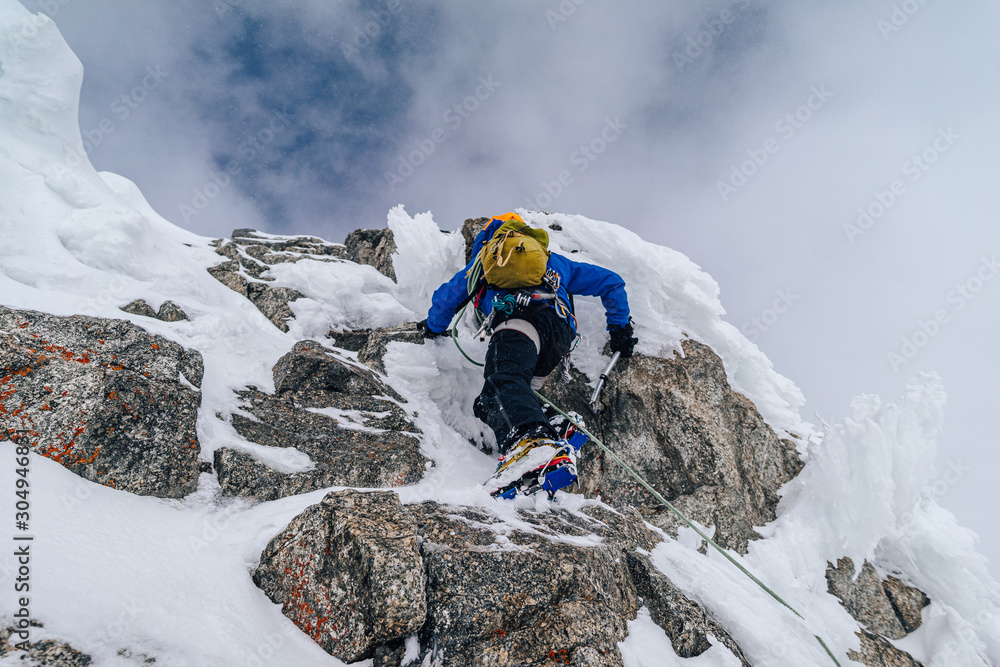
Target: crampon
539	465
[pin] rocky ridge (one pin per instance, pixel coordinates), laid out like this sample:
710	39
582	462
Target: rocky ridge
169	311
886	608
371	344
390	574
250	254
43	652
559	586
348	421
702	445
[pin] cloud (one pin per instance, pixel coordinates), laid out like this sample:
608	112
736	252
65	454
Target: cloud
698	92
366	86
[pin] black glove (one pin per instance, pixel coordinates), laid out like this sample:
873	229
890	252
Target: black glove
426	331
622	340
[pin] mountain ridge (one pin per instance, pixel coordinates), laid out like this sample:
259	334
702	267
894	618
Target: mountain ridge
170	579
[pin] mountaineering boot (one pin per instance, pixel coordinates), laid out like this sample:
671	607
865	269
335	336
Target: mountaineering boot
517	460
566	428
533	465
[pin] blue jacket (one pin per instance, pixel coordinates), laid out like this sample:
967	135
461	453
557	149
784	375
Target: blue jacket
575	278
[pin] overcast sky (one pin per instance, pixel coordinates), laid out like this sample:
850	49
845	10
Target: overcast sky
832	165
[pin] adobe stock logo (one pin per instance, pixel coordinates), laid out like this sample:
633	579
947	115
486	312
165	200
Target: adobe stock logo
900	16
581	158
566	9
223	7
784	300
958	298
35	22
366	36
122	107
455	116
740	174
249	150
914	169
712	29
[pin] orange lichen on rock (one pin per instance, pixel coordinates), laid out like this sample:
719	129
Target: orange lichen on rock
562	656
63	452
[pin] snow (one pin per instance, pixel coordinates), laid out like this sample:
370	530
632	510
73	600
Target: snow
647	645
111	570
351	419
171	579
867	492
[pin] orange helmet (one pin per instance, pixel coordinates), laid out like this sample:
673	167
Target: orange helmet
507	217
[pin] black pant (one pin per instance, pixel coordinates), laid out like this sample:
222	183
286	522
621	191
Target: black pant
506	403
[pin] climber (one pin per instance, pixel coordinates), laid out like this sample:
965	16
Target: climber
525	297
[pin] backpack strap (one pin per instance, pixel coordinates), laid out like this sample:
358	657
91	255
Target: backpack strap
474	293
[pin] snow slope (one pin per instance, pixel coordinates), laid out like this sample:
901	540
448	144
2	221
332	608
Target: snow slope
170	579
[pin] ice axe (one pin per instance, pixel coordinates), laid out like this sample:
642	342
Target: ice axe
594	405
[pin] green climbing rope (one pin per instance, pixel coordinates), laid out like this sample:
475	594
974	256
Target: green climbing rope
666	503
656	494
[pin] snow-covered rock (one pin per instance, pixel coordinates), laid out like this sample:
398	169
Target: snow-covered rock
104	398
680	425
124	578
349	423
169	311
348	573
889	608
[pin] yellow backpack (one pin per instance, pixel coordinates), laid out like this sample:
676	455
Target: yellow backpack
516	256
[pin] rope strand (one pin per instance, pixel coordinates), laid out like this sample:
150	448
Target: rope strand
656	494
666	503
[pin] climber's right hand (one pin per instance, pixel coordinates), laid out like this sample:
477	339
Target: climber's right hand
622	340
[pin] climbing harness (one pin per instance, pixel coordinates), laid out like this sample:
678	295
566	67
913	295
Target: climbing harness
579	426
523	299
548	290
